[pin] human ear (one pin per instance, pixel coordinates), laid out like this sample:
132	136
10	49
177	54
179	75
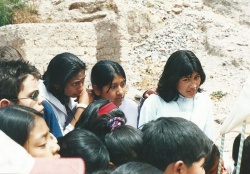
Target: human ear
4	102
179	167
96	90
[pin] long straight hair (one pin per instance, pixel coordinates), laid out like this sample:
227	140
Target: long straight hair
180	63
104	71
60	70
17	121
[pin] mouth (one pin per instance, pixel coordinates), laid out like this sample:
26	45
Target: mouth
119	99
193	92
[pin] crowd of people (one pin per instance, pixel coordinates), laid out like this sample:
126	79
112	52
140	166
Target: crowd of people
53	115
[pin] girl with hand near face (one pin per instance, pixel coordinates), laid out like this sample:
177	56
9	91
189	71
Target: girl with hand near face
63	87
109	82
26	126
179	94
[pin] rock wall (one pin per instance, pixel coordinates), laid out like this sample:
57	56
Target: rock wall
38	43
92	29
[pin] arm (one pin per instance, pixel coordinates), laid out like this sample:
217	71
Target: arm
145	95
148	111
83	100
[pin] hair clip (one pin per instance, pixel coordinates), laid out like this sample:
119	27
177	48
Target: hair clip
115	122
106	108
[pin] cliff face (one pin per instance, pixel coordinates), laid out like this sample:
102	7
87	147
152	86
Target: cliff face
141	34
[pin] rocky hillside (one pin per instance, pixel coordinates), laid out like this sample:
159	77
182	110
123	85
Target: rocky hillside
141	34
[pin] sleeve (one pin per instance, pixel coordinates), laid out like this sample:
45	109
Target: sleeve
148	110
68	129
51	120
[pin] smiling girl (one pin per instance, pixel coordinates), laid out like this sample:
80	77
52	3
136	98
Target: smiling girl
180	95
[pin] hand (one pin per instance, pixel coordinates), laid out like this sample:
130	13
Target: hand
149	92
86	96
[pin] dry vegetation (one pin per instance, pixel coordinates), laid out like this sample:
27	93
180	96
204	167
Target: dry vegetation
18	11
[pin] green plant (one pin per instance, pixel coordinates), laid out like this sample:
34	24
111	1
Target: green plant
218	95
5	13
7	8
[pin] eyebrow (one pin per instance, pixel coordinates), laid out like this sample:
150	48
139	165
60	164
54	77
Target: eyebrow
29	94
43	135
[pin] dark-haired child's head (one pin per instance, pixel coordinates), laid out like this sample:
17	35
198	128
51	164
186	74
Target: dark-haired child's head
65	76
19	84
86	145
97	115
27	127
136	168
212	161
245	167
181	67
109	81
124	144
173	143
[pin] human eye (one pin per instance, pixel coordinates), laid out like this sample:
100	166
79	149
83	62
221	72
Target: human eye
34	96
43	145
185	79
123	84
113	87
76	83
197	77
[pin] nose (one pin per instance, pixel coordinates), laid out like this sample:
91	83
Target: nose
40	100
54	146
193	84
37	104
81	86
120	90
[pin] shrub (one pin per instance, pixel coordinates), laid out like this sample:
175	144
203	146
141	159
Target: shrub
8	9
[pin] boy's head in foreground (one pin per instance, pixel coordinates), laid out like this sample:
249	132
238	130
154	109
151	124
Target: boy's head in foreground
175	145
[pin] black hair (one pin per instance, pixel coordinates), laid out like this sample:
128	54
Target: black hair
17	121
12	75
104	71
169	139
136	168
180	63
90	120
124	144
60	70
86	145
211	159
244	168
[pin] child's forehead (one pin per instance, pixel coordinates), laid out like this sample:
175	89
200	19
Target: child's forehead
118	77
193	73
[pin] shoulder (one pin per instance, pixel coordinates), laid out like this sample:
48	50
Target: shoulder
128	104
202	96
154	98
129	101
